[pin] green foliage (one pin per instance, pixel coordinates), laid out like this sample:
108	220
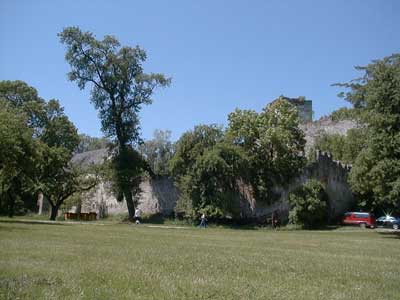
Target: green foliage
46	119
376	171
345	113
88	143
259	150
191	145
58	131
20	95
344	148
125	172
158	152
202	167
37	141
58	180
332	143
308	205
214	180
18	157
119	88
273	143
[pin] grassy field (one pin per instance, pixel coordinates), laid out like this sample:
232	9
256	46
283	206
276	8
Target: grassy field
120	261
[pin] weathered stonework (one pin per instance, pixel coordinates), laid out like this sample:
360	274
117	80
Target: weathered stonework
160	195
332	174
157	196
324	125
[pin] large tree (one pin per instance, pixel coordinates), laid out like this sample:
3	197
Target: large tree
46	118
42	149
60	180
20	95
375	176
273	143
206	170
260	150
18	157
119	88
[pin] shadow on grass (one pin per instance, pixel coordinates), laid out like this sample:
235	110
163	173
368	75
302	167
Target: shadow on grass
324	228
32	222
390	234
12	228
251	225
243	224
154	219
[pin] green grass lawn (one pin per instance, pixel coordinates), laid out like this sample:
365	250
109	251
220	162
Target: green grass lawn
120	261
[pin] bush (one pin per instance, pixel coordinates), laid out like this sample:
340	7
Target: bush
308	205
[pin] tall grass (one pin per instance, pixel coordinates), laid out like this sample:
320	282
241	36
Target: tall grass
119	261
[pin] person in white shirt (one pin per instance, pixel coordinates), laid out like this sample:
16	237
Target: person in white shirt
203	221
137	215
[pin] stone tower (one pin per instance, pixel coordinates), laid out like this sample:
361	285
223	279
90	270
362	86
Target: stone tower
304	107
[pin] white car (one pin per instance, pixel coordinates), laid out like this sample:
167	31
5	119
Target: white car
388	221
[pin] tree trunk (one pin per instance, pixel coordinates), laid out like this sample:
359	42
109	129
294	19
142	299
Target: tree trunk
78	208
54	212
40	202
11	204
130	205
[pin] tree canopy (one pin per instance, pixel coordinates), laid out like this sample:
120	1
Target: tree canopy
375	176
273	142
18	157
259	150
205	169
119	89
38	141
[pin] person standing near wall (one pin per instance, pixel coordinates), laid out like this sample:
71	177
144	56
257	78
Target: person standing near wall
137	216
203	221
276	222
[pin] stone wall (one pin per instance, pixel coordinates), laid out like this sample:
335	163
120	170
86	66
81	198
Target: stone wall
332	174
102	201
324	125
157	195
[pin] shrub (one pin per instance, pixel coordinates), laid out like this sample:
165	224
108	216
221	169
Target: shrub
308	205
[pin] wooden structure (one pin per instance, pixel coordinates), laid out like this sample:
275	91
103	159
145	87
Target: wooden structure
92	216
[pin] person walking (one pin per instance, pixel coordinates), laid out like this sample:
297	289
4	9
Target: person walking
203	221
137	216
276	222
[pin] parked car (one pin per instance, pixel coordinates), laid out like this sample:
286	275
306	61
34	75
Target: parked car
388	221
361	219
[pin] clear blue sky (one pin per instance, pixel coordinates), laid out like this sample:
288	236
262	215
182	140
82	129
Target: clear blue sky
220	54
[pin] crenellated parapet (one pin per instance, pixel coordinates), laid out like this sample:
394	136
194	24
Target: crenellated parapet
327	158
331	173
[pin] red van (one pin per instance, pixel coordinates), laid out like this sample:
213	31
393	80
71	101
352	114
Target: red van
361	219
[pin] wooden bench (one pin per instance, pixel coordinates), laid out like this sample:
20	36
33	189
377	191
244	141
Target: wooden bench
92	216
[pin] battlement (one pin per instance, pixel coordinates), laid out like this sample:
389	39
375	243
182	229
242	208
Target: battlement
327	158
